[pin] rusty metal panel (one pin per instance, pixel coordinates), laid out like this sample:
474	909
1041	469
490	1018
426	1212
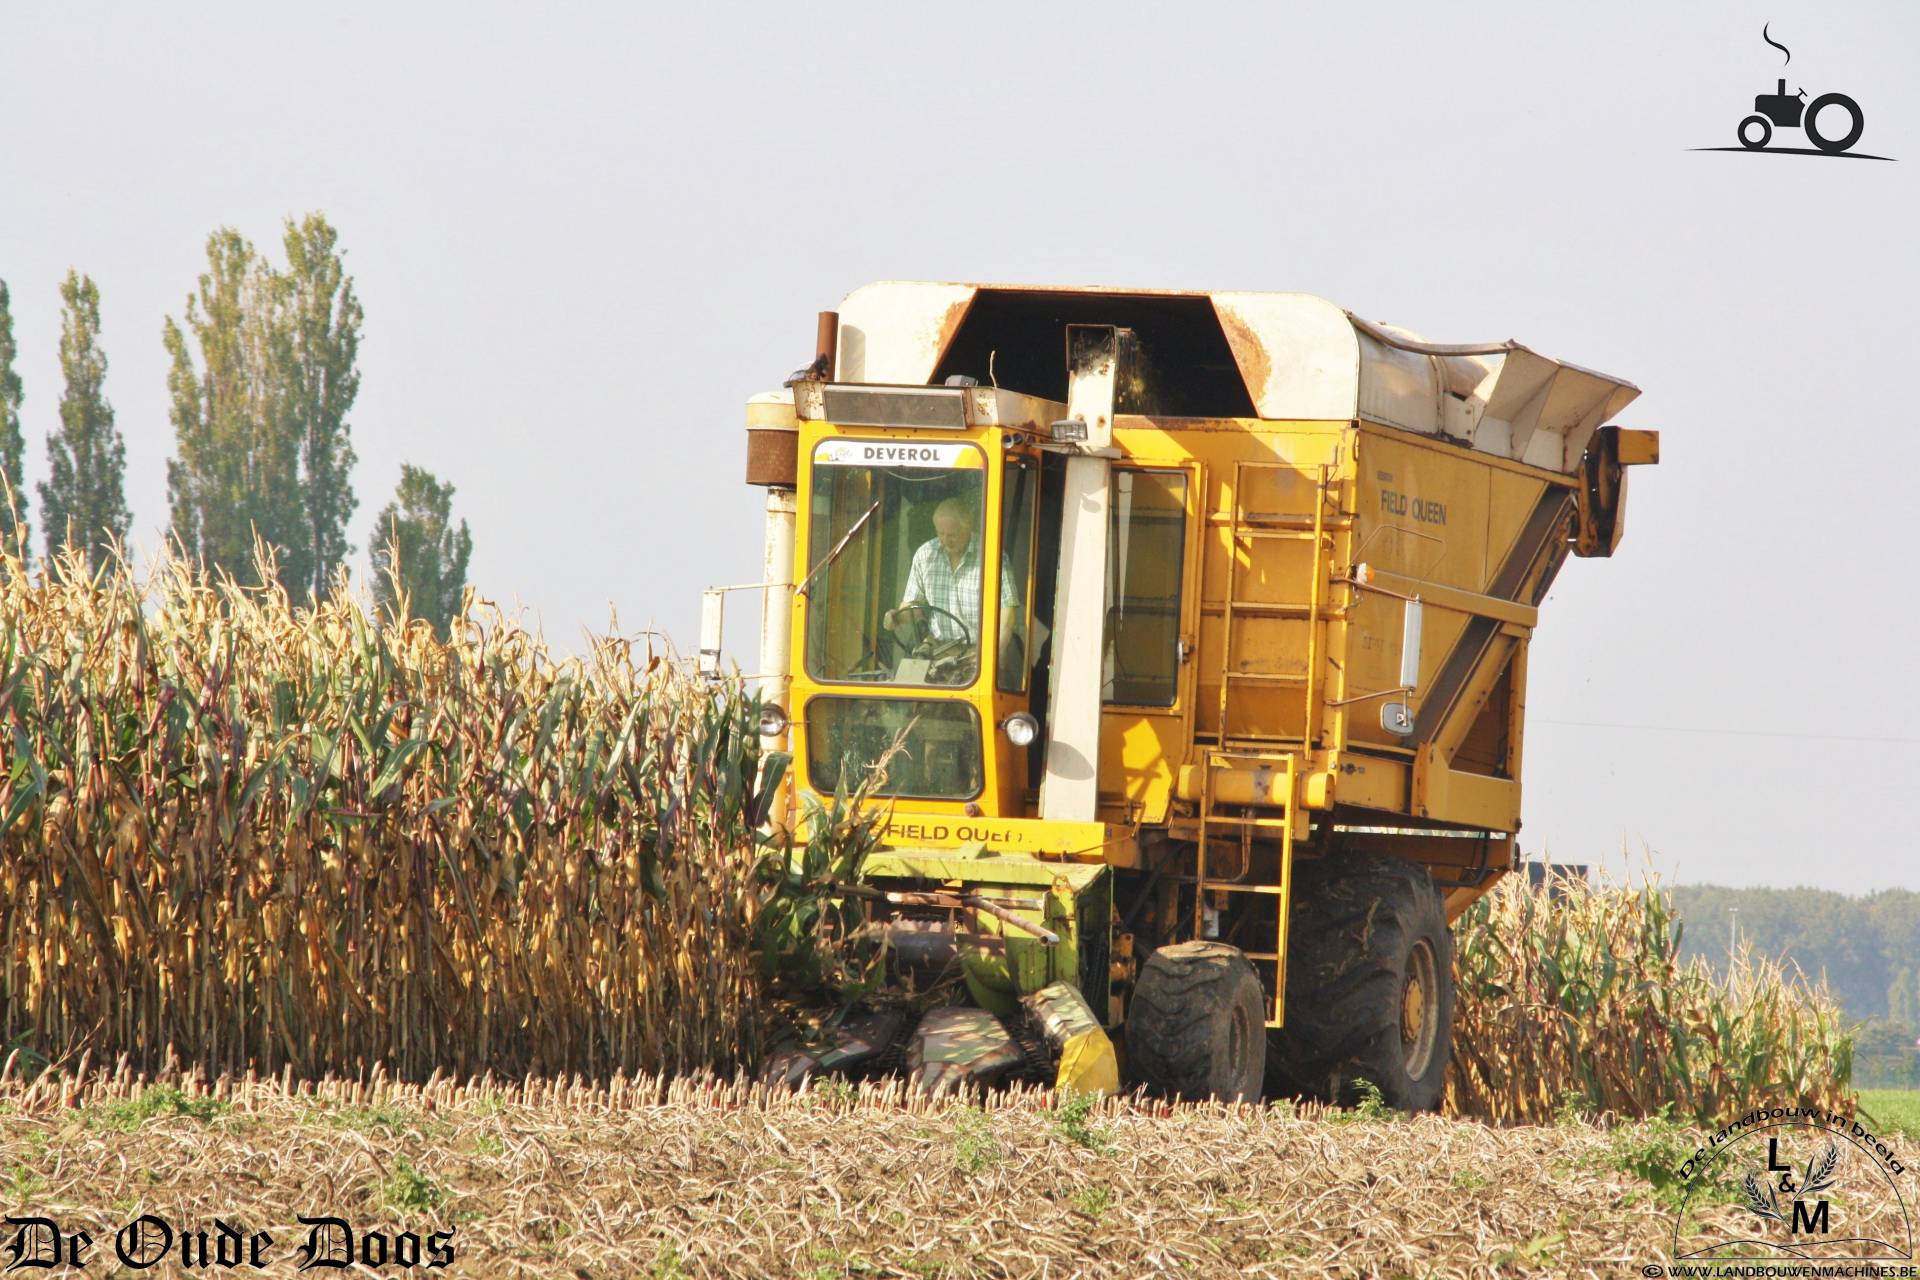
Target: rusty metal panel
894	330
1298	354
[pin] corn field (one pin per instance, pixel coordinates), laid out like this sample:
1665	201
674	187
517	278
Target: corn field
259	837
1573	997
236	836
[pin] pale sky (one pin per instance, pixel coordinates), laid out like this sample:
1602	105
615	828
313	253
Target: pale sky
585	234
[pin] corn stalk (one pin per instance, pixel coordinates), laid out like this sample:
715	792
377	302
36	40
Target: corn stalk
264	837
1575	998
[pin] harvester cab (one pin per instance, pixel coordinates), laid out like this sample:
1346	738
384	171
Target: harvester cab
1183	639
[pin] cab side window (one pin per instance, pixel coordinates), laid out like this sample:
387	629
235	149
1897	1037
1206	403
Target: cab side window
1146	555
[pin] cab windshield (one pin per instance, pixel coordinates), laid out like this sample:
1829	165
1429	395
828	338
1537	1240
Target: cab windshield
896	546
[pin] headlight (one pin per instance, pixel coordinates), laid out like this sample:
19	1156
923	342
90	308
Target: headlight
1021	729
773	721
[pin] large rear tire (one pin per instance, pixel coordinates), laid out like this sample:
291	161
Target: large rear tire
1369	984
1196	1026
1856	122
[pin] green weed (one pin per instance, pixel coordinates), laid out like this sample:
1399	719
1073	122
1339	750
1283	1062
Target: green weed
831	1093
1654	1150
974	1149
1572	1110
23	1185
1538	1252
1093	1202
1072	1118
408	1190
1372	1105
667	1264
386	1119
841	1264
1468	1180
128	1114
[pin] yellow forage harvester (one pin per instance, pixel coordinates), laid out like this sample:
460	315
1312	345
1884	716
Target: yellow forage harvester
1187	634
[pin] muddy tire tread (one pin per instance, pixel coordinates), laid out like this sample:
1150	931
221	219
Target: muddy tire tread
1180	1013
1354	919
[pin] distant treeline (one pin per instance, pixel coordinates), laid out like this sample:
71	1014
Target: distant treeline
262	375
1867	948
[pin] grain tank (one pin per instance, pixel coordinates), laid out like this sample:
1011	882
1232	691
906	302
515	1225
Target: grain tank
1189	634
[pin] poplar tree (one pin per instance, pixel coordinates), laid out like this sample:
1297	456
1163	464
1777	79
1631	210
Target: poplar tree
234	476
13	445
83	503
419	558
262	378
323	332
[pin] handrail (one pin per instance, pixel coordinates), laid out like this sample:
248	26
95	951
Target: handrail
1401	587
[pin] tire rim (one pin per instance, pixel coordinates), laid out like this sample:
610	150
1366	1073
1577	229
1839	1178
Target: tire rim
1419	1010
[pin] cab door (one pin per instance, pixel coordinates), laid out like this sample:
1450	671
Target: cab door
1147	678
1022	645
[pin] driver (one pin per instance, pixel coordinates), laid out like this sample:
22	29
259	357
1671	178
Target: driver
946	575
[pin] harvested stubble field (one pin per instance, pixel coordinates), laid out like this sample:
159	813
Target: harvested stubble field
649	1178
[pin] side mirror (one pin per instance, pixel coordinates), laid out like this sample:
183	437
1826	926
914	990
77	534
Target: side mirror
1397	717
1410	646
713	606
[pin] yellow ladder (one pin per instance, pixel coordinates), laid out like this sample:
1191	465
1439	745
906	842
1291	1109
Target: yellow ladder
1246	822
1245	531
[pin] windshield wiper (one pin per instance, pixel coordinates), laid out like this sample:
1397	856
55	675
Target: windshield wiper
838	547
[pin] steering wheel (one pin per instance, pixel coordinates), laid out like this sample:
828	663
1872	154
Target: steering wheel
924	631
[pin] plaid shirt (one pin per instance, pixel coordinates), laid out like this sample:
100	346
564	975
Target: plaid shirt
933	580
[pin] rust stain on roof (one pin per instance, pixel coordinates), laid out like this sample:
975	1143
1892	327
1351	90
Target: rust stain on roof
950	325
1248	352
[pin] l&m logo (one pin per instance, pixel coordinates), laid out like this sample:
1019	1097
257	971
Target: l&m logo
1793	1183
1832	122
